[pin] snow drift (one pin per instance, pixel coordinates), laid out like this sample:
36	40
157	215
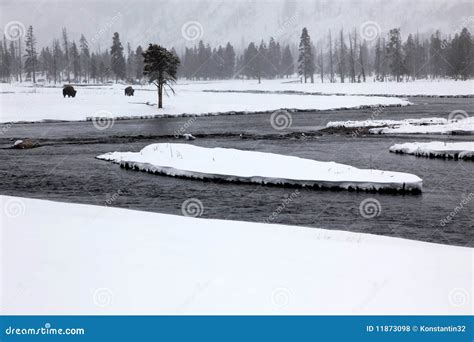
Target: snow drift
259	167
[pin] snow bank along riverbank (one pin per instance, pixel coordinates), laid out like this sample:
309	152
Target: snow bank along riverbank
437	149
258	167
20	103
64	258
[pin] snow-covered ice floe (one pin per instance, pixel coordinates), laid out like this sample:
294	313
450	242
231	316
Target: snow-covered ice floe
64	258
386	123
458	127
455	150
258	167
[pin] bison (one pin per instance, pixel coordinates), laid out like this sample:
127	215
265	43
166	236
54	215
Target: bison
69	91
129	91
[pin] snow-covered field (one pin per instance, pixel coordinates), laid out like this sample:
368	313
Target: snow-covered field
258	167
420	88
19	103
96	260
458	150
464	127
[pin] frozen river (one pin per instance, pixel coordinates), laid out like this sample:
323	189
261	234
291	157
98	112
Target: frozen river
64	168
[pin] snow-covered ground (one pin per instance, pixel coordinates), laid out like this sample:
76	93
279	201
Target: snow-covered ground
386	123
63	258
258	167
19	103
461	150
465	127
418	88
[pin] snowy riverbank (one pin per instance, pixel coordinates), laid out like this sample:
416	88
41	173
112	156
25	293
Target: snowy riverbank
62	258
20	103
191	161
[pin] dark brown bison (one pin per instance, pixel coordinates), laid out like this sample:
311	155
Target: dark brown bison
129	91
69	91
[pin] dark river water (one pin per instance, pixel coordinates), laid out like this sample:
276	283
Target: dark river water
64	168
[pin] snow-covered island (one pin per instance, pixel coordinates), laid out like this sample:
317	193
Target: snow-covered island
437	149
89	259
258	167
463	126
458	127
386	123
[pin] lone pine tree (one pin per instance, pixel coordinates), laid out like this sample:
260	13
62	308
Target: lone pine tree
30	49
161	66
117	59
306	65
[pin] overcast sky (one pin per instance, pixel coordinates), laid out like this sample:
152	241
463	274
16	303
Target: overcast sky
180	23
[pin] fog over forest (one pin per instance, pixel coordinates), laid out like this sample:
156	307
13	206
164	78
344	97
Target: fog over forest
238	22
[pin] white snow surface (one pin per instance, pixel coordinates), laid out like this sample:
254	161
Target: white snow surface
64	258
258	167
21	103
417	88
386	123
465	126
461	150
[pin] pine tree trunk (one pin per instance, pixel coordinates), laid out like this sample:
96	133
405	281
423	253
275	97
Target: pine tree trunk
160	96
